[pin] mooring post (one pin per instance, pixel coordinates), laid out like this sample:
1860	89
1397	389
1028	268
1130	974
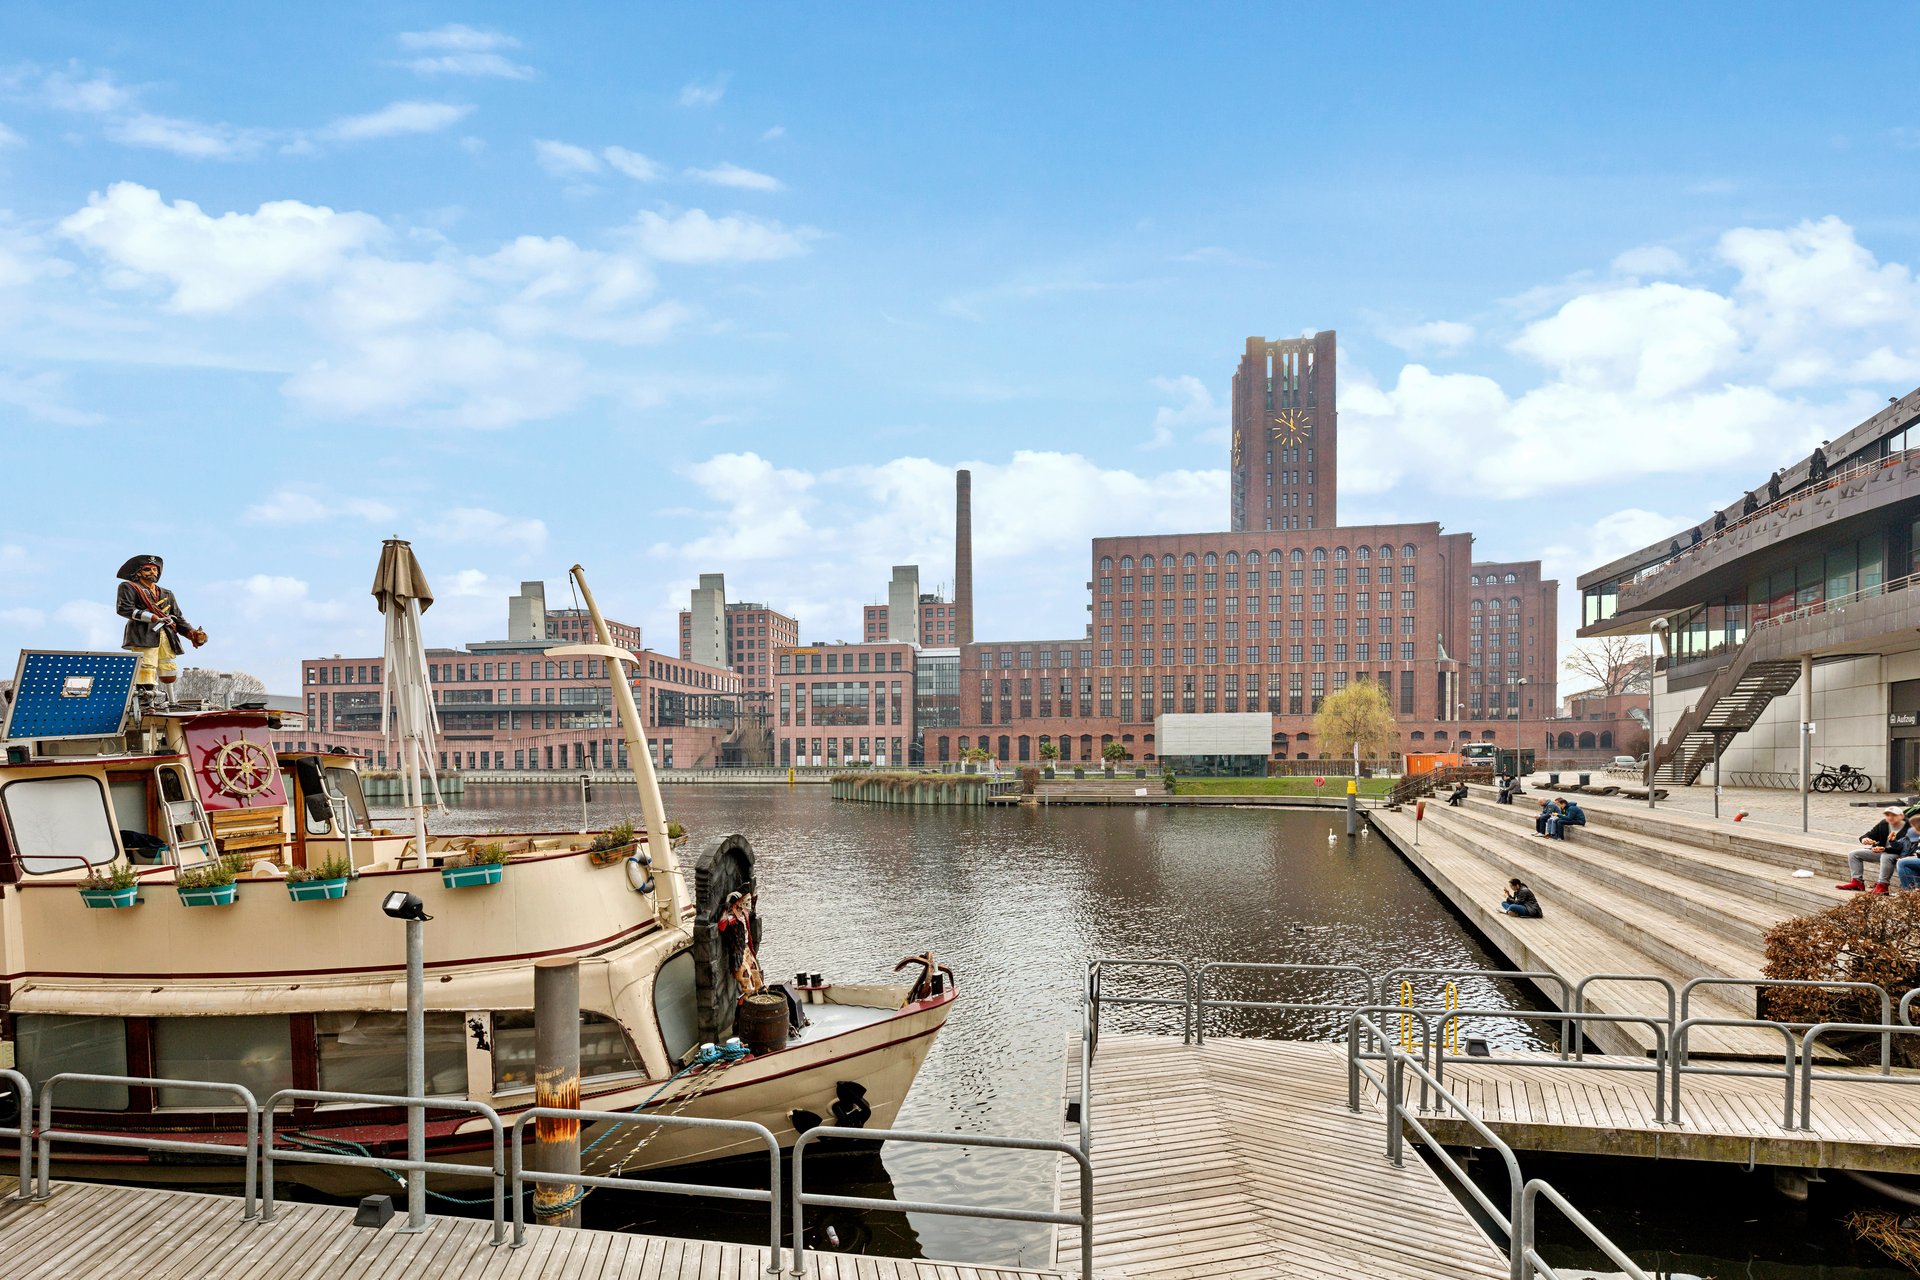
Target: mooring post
556	1083
1353	805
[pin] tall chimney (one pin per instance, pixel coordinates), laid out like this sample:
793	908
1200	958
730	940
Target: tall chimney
963	557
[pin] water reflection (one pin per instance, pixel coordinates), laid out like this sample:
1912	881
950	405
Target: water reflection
1018	901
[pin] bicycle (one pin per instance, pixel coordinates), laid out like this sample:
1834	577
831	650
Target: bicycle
1841	778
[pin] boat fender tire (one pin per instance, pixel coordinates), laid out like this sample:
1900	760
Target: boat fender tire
803	1120
850	1109
639	875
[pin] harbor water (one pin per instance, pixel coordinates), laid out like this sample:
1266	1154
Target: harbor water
1017	900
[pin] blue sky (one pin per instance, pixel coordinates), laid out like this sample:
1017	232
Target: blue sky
735	288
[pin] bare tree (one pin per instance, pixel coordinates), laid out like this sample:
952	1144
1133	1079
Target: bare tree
1615	664
217	688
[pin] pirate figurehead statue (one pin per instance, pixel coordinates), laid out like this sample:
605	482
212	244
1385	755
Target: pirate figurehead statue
156	629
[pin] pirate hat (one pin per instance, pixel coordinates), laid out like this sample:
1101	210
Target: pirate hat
137	563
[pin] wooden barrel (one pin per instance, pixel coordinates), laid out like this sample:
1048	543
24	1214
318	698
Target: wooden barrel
761	1022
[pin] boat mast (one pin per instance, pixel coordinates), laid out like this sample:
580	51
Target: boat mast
668	889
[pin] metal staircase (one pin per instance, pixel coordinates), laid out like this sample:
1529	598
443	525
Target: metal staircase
1731	704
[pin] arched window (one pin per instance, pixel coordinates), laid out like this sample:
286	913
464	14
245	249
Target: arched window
963	744
1274	556
1477	607
1126	562
1439	735
1475	580
1418	735
1146	562
1606	739
1514	603
1511	579
1086	746
1004	744
1386	553
1486	735
1186	561
1233	558
1363	553
1297	556
1565	742
1339	554
1319	555
1302	756
1407	552
1587	742
1026	748
1106	564
943	747
1212	560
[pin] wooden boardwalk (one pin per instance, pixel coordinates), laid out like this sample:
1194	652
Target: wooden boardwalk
1240	1158
92	1232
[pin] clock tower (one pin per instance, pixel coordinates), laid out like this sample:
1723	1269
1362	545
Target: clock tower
1284	434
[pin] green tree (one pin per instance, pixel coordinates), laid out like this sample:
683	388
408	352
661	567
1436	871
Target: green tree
1359	714
1113	753
1049	752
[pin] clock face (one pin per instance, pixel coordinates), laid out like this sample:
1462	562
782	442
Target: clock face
1291	426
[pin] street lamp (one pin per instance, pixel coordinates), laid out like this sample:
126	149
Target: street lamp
401	905
1656	633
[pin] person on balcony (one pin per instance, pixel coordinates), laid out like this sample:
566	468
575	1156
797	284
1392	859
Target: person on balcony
1875	844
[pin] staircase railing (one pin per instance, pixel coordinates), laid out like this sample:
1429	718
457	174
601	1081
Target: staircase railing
1415	785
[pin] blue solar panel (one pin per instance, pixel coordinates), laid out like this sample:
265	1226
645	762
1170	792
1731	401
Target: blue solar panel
70	695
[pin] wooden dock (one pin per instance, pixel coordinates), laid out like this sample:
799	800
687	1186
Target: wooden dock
86	1231
1240	1158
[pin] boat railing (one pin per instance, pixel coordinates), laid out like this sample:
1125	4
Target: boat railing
802	1197
523	1176
364	1159
47	1135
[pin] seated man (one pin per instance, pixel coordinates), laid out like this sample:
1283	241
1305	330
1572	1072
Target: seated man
1459	794
1547	814
1904	845
1568	814
1520	901
1874	845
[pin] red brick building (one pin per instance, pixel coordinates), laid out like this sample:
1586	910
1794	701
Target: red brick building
753	632
845	703
939	621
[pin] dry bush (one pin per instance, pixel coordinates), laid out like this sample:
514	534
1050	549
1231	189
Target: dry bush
1029	780
1864	939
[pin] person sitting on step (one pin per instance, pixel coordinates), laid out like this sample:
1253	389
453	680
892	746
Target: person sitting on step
1458	794
1520	901
1874	845
1568	813
1547	814
1904	845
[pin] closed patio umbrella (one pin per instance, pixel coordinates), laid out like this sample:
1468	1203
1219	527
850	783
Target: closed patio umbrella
406	698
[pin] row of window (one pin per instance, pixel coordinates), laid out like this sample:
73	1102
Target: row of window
1294	578
1275	556
859	660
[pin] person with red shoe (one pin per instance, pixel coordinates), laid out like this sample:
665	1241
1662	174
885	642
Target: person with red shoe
1874	844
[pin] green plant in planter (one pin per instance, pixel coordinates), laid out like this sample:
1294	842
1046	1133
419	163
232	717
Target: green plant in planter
617	836
481	865
213	875
675	831
491	855
117	874
333	868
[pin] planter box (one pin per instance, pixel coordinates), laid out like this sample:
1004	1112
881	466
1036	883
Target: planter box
472	877
219	895
1139	773
1079	773
608	857
317	890
104	898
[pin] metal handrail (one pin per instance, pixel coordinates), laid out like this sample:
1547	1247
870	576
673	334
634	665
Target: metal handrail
269	1153
1886	1001
1391	1092
802	1198
22	1090
1086	1080
1658	1066
1677	1060
48	1134
1906	1006
1356	1055
1580	995
1808	1075
1202	1004
771	1196
1530	975
1531	1264
1096	970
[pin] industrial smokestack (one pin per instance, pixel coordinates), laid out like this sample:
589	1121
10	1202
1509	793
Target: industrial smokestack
963	557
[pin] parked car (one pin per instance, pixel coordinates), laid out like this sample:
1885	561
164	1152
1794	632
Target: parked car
1625	762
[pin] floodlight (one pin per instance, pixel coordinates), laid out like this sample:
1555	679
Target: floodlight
402	905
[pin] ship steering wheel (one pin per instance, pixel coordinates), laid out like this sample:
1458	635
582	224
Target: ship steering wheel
242	768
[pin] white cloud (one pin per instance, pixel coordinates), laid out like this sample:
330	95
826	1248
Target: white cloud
477	524
1657	339
94	625
465	377
187	138
727	174
75	90
213	264
397	119
278	598
633	164
288	506
563	159
1196	409
1650	260
774	134
698	93
42	396
696	237
460	50
1441	337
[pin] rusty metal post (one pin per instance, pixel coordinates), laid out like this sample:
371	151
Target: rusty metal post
556	1083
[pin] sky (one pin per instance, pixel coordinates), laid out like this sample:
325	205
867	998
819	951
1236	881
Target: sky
734	288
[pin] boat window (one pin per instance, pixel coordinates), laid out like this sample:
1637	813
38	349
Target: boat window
367	1052
58	821
346	782
254	1051
46	1044
673	1002
129	803
603	1048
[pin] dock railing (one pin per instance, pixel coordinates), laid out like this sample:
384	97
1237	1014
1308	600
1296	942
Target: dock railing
1202	1003
21	1130
46	1135
802	1197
